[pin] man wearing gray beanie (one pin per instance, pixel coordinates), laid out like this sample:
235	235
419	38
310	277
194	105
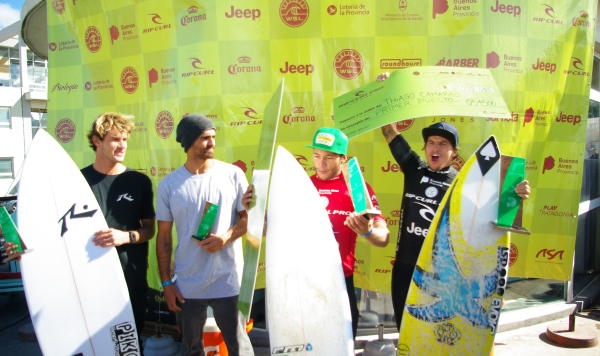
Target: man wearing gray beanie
190	127
207	269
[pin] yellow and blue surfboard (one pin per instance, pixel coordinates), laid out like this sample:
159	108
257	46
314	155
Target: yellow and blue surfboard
455	297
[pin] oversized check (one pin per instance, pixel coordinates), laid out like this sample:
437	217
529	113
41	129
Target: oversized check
419	92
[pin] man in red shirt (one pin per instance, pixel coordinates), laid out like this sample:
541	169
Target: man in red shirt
330	147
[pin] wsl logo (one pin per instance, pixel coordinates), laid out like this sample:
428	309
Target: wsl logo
124	337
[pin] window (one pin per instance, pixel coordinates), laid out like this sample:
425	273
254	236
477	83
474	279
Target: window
4	116
6	167
38	121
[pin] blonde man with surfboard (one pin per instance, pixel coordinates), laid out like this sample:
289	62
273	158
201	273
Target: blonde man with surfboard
330	147
126	199
425	183
207	266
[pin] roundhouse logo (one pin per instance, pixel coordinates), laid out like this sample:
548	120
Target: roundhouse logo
65	130
58	6
348	64
331	10
164	124
130	80
52	46
294	13
93	39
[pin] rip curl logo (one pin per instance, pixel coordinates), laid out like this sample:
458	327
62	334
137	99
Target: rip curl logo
125	339
549	16
71	214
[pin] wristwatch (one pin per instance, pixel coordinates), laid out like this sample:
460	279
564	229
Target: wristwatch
169	281
131	237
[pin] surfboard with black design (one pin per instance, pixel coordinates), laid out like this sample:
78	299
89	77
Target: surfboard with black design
76	291
454	301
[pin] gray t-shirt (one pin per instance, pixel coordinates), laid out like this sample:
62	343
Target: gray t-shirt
181	198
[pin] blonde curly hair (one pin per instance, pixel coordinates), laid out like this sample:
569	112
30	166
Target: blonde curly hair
106	122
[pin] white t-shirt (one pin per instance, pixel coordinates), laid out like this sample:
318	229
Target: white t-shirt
181	198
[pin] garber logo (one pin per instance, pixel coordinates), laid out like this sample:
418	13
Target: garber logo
550	255
348	64
65	130
294	13
130	80
164	124
93	39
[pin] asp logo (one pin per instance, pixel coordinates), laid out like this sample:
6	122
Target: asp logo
550	254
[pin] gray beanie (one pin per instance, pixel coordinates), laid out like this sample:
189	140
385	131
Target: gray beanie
190	127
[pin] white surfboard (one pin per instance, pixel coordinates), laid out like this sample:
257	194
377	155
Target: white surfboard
307	305
75	291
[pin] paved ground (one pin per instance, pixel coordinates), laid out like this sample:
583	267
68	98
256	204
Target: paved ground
522	339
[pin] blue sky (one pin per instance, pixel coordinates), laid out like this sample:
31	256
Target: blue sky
10	11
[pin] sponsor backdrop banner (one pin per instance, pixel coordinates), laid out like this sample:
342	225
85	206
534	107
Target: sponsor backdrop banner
159	60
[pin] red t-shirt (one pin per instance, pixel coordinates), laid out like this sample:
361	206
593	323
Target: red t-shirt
339	206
